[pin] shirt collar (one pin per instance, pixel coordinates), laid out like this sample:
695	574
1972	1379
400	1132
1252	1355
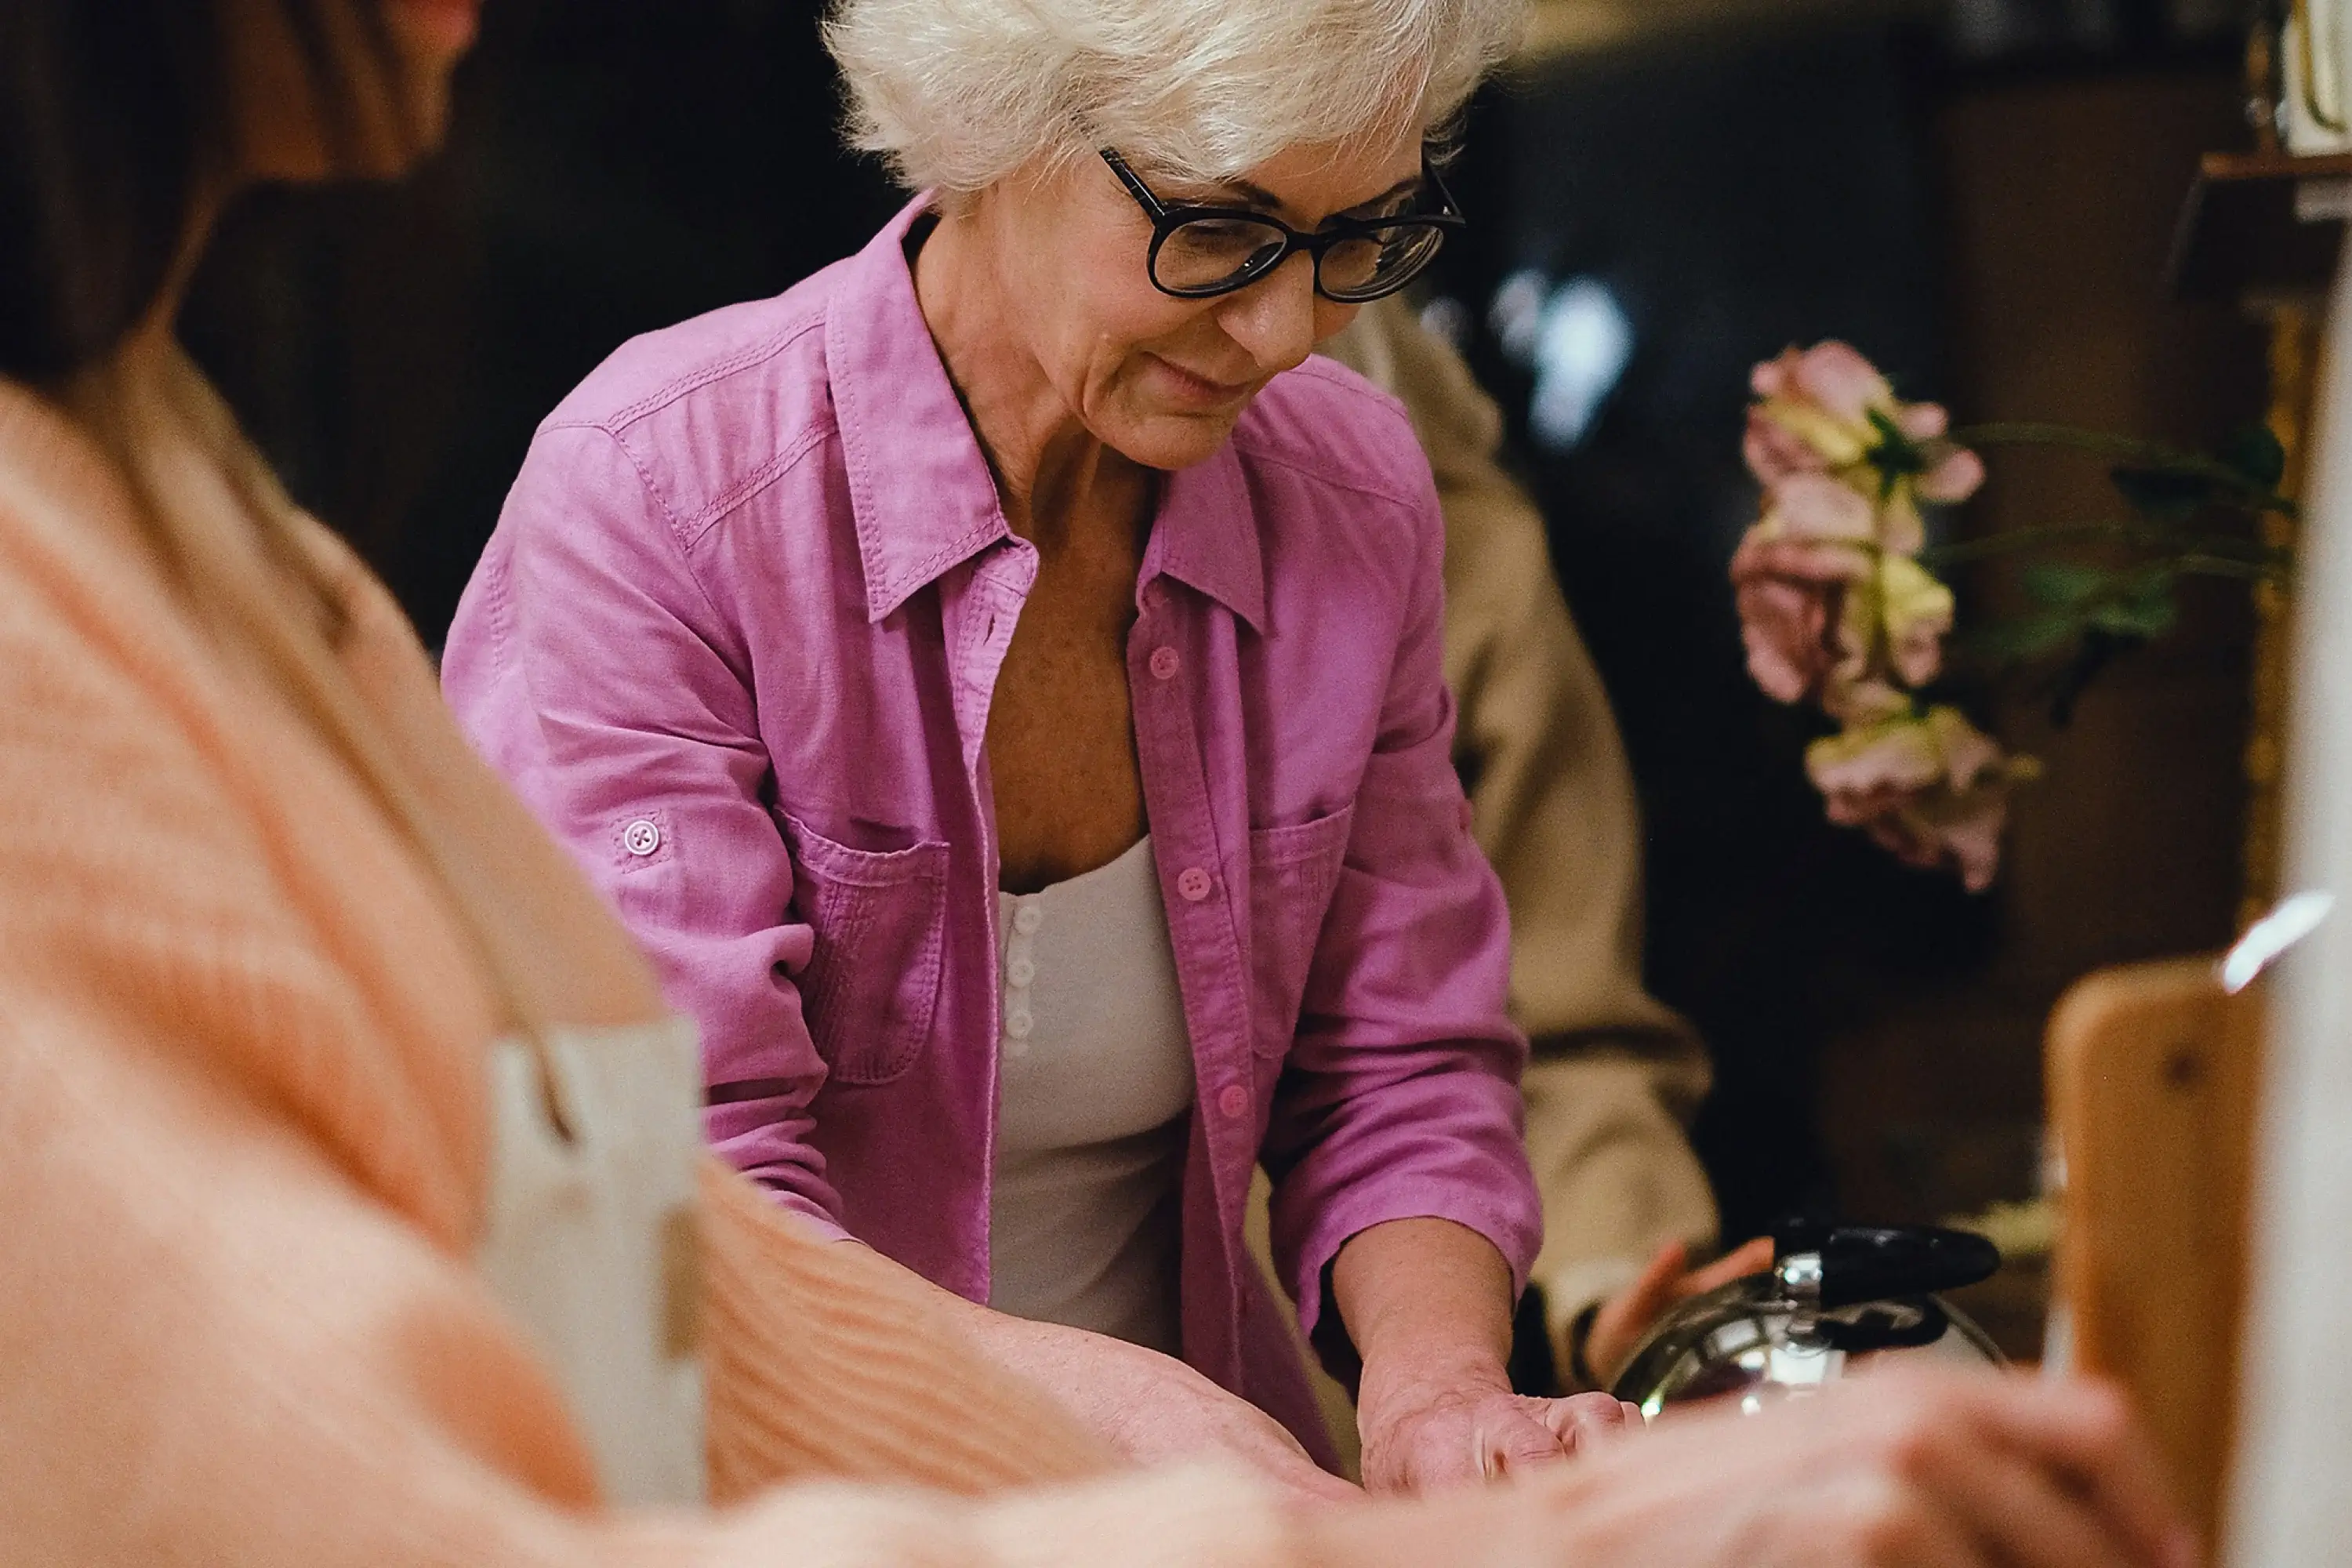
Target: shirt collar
1206	536
920	488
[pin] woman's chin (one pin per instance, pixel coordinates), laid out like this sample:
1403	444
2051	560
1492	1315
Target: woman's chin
1176	440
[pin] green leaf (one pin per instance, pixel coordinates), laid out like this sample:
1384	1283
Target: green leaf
2147	612
2066	584
1896	454
2023	639
2254	452
2168	494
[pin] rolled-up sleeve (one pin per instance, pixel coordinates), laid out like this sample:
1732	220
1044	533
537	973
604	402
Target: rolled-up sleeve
1400	1096
589	667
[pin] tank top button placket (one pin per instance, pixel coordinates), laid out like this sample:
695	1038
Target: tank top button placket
1020	973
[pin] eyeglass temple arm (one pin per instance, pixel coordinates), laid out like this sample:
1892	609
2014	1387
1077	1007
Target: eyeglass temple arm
1134	184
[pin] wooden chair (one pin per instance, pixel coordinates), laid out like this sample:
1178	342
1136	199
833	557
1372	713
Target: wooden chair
2153	1077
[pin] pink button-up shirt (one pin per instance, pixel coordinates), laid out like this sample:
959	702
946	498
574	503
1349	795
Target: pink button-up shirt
735	639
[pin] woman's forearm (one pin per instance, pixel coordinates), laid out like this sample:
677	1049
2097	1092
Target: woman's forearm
1429	1304
1425	1297
1080	1369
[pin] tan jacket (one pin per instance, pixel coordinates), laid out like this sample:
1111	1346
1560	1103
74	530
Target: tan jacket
1616	1074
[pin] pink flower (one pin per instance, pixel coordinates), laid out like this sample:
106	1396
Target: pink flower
1835	608
1830	376
1791	612
1816	507
1825	611
1793	592
1775	452
1915	611
1931	788
1815	415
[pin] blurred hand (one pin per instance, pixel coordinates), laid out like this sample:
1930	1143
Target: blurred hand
1904	1468
1668	1282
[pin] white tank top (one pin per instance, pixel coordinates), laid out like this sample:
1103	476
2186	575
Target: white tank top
1095	1083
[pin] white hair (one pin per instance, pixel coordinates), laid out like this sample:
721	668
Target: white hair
958	94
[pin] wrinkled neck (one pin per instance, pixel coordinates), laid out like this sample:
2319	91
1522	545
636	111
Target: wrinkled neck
1049	467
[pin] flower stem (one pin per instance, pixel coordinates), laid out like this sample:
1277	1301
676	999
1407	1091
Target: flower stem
2016	539
2128	448
2228	566
2259	559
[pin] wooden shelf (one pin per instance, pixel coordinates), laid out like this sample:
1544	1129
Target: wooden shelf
2262	225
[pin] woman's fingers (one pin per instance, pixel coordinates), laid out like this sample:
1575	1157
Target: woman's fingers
1653	1287
1752	1257
1510	1439
1983	1440
1625	1317
1868	1521
2086	1430
1584	1423
2024	1515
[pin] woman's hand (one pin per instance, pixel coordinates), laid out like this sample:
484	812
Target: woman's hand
1443	1427
1428	1304
1898	1469
1668	1282
1155	1408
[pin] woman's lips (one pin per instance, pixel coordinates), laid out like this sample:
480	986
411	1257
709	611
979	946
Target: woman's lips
443	26
1200	390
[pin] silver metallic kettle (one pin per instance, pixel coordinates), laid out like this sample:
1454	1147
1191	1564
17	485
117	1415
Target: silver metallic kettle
1838	1299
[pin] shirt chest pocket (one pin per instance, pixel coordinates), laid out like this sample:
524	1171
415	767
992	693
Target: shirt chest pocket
871	986
1294	871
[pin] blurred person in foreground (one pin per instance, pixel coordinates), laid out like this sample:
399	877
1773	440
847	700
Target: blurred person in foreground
1614	1075
348	1196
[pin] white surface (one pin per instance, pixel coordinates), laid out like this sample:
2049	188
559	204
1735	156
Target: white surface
2292	1491
583	1237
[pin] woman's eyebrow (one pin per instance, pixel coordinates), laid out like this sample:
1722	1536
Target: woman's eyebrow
1258	196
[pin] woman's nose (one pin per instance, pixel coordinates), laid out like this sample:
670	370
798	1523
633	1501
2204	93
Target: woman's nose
1274	318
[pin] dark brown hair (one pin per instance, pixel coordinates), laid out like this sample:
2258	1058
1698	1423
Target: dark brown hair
115	124
115	117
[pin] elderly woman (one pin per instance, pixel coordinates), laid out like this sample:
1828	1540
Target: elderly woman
999	680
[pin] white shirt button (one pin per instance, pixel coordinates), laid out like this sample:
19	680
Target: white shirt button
1020	972
641	837
1027	919
1019	1024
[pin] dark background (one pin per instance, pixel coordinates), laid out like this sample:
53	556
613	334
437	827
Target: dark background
1978	197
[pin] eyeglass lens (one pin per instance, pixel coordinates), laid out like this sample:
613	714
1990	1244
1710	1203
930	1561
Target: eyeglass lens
1207	254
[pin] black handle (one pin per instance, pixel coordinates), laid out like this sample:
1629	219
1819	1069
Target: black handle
1893	1325
1871	1263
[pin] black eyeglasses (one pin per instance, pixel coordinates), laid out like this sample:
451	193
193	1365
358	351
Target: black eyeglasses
1198	252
